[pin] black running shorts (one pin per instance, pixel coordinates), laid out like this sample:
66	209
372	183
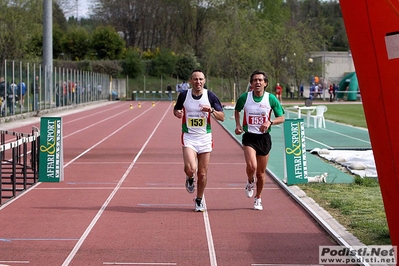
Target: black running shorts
261	143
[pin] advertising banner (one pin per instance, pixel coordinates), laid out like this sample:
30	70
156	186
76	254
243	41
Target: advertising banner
295	165
51	162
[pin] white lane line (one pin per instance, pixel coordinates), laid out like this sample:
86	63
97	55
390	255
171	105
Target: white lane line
65	165
347	136
107	137
139	263
110	197
211	247
99	122
145	188
318	142
13	262
90	115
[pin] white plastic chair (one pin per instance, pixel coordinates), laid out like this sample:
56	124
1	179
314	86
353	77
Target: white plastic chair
318	119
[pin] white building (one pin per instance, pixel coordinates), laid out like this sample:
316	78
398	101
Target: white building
335	65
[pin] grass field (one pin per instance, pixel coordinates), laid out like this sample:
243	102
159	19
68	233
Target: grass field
357	206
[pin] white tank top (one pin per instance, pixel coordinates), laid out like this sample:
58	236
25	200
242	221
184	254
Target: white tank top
195	120
255	114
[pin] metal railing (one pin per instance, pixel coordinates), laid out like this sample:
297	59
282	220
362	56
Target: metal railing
27	87
19	156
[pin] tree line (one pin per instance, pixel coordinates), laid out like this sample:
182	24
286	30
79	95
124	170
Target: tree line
226	38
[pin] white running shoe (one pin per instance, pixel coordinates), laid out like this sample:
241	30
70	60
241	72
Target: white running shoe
199	206
258	204
249	189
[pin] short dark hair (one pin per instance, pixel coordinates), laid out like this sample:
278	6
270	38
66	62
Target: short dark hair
197	70
259	72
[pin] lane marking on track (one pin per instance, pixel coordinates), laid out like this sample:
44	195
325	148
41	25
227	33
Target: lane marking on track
139	263
162	205
211	247
145	188
347	136
92	125
159	163
96	113
13	262
37	239
117	187
110	135
66	164
318	142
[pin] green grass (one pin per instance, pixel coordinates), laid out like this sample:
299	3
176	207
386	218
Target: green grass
346	113
351	114
357	206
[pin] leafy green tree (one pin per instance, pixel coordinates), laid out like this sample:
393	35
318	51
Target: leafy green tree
18	20
162	64
76	43
107	43
185	64
132	64
35	45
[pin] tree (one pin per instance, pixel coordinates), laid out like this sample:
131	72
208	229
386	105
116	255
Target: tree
107	43
132	65
18	21
76	43
162	64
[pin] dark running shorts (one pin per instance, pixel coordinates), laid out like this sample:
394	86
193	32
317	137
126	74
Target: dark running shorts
261	143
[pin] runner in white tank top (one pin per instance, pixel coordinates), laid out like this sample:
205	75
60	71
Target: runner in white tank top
195	107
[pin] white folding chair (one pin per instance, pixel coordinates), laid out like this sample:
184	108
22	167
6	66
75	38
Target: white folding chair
318	119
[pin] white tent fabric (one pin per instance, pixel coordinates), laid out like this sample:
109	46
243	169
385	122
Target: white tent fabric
358	162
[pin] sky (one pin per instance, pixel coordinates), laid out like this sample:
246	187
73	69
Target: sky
83	8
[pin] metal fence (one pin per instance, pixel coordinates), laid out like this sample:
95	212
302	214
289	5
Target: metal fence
27	87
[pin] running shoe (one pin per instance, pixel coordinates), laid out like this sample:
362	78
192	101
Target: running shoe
249	189
258	204
190	187
199	206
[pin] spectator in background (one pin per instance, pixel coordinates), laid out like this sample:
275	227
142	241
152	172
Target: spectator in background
292	91
312	91
331	92
287	91
35	89
12	97
169	91
335	89
2	96
21	92
279	92
185	86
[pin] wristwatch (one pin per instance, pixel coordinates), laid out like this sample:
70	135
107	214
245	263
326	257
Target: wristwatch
271	123
213	110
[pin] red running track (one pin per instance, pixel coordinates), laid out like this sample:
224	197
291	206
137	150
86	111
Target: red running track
123	202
